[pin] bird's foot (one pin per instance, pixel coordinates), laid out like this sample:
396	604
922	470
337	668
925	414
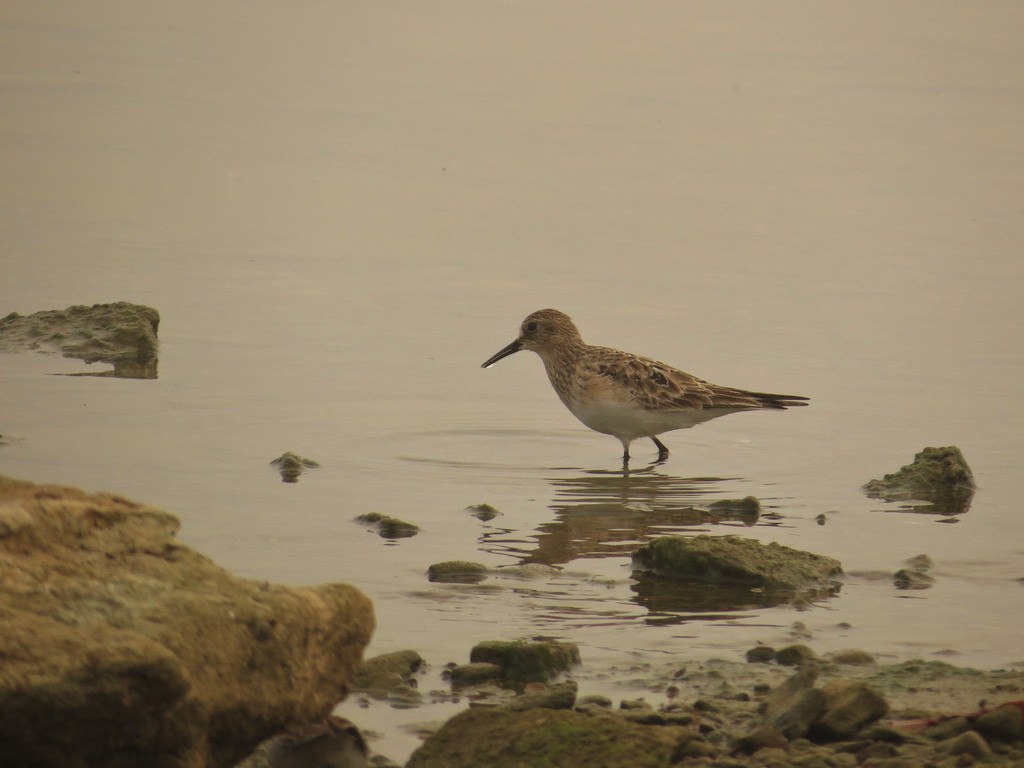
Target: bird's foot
662	450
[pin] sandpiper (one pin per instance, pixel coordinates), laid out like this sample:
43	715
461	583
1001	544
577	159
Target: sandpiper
624	395
331	743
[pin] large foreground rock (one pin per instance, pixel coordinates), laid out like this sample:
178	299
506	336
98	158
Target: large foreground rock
122	647
121	334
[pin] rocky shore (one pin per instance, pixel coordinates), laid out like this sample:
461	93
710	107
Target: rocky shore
793	710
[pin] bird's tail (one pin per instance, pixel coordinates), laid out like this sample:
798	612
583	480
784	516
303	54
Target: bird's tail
769	400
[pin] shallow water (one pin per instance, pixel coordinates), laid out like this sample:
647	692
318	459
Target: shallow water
341	210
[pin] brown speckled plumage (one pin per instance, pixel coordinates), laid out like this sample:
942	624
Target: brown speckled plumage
625	395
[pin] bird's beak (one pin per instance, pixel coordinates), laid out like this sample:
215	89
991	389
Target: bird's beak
511	349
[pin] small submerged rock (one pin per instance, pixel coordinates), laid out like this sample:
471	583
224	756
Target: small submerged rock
291	465
939	476
748	506
915	574
388	527
483	512
457	571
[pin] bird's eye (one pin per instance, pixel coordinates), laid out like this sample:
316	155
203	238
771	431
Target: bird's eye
531	326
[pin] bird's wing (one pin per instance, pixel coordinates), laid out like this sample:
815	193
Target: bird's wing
656	386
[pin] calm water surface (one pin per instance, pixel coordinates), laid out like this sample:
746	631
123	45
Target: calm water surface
341	210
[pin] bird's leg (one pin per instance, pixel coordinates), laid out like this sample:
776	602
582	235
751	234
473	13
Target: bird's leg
662	449
625	451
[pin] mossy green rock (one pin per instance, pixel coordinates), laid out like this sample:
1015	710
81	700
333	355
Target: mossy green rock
547	738
387	671
735	560
937	475
474	674
291	465
389	527
121	334
748	505
458	571
527	662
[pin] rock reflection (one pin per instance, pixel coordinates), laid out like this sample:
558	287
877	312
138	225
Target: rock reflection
676	602
609	513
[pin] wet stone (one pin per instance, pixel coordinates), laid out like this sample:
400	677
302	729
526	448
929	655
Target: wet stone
794	656
852	657
634	704
876	751
594	700
735	560
849	706
121	334
387	672
761	738
761	654
290	466
749	506
474	673
560	696
1005	723
523	661
483	512
948	728
940	476
457	571
969	743
795	704
388	527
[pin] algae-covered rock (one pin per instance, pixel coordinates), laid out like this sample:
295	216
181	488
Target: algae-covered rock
852	657
483	512
539	696
291	465
379	671
474	673
390	676
527	661
748	506
849	706
794	705
940	476
761	654
121	334
554	738
457	571
735	560
389	527
795	655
